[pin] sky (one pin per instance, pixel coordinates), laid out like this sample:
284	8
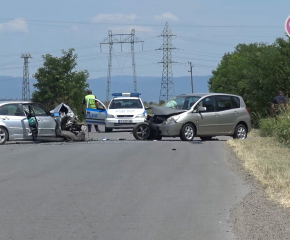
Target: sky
204	31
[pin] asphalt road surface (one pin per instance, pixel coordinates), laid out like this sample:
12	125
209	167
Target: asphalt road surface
118	190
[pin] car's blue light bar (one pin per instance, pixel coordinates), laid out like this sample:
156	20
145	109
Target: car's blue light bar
135	94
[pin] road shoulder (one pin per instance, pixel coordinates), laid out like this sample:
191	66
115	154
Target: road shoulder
256	217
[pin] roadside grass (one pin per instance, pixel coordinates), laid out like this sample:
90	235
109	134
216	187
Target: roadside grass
269	161
278	127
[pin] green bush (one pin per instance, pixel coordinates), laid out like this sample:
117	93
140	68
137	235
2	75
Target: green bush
278	127
267	127
283	128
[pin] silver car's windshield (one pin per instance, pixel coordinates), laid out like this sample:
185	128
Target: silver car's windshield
182	102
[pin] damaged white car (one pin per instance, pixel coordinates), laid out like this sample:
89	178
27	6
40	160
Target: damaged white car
32	121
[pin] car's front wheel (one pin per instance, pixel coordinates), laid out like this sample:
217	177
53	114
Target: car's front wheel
141	131
108	129
3	135
241	132
187	132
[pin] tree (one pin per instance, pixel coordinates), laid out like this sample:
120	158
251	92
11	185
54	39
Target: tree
58	81
284	64
256	72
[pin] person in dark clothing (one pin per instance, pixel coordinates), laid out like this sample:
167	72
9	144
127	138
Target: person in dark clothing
279	104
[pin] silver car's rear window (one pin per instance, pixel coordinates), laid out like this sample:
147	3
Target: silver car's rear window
11	109
236	102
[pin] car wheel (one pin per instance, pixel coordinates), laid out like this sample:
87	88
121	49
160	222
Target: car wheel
205	138
3	135
241	132
108	129
187	132
141	131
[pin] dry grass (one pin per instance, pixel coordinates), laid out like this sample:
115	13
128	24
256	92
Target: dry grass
269	162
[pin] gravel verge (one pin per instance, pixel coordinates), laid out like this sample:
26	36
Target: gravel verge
257	217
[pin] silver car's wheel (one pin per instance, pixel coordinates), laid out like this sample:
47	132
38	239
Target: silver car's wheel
187	132
141	131
240	132
3	135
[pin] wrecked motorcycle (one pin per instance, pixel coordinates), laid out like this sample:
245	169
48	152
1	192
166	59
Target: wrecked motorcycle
67	123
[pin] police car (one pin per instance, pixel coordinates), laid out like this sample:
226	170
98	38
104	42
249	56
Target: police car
124	111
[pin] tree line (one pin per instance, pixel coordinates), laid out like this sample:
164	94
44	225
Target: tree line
255	71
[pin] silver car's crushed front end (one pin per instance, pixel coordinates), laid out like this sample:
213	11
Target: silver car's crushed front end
171	129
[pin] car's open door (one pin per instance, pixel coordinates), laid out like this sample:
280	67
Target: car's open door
96	116
32	120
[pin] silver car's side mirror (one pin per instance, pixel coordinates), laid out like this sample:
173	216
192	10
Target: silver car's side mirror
202	109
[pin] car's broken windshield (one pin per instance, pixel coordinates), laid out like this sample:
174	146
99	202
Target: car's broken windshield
183	103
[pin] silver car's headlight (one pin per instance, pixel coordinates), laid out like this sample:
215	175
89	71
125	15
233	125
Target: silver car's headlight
140	116
172	119
110	116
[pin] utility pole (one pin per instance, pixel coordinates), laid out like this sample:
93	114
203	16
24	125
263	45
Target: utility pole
112	39
191	66
167	84
25	83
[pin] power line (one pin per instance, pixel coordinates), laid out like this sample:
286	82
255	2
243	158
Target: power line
121	69
50	51
144	24
205	41
80	58
121	39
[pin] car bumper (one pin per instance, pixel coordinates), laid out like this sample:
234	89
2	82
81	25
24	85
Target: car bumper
170	130
114	122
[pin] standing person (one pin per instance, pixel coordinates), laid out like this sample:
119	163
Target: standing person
279	104
92	105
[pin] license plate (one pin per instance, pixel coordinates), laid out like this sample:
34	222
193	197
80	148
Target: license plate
124	121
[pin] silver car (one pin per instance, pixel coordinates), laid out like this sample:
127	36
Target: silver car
14	121
197	115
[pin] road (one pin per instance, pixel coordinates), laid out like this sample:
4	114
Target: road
118	190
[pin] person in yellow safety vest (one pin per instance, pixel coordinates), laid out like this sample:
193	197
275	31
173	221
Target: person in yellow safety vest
92	104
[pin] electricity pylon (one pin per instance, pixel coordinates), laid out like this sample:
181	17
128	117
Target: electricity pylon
120	38
167	84
25	83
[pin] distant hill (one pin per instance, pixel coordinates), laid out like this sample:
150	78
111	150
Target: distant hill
149	87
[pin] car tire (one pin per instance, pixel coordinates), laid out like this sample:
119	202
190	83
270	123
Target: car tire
108	129
187	132
3	135
241	132
142	131
205	138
